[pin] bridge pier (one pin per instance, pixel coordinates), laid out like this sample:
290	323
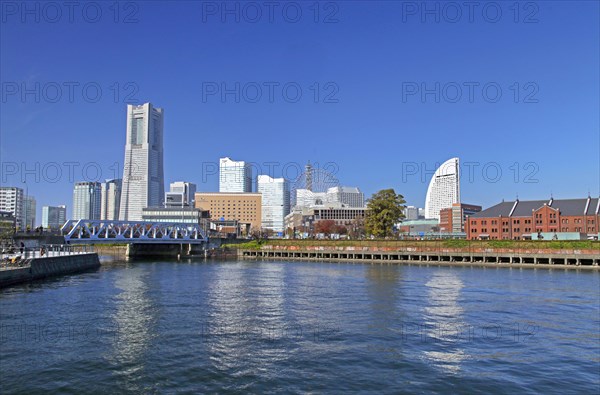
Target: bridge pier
173	250
153	250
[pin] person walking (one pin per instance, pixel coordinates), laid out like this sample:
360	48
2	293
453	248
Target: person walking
22	247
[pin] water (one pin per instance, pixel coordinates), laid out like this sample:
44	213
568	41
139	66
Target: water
270	327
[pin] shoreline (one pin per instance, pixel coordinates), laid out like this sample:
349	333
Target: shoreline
546	266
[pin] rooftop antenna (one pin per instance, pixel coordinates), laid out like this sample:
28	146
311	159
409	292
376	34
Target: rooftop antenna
308	171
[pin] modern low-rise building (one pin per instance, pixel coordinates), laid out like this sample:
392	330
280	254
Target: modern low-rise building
246	208
419	227
182	215
521	219
181	194
347	196
305	218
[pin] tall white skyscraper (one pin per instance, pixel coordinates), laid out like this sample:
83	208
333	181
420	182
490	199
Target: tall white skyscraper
181	194
234	176
54	217
12	201
444	189
275	202
111	199
87	200
143	173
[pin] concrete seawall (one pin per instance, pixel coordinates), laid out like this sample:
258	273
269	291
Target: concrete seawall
39	268
573	260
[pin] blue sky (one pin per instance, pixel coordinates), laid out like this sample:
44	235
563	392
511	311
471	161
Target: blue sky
361	66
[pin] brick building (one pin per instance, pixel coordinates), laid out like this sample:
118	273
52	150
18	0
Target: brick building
246	208
452	219
520	219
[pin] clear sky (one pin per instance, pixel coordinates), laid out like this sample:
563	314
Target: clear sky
369	107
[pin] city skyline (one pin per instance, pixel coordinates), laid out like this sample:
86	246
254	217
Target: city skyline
385	117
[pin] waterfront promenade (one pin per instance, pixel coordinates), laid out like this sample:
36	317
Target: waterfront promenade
53	260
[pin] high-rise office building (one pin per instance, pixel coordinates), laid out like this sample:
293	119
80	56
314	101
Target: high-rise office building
12	201
444	189
110	199
275	202
411	213
29	212
234	176
181	194
54	217
143	173
87	200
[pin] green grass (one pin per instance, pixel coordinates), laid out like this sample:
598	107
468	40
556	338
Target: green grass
513	244
250	245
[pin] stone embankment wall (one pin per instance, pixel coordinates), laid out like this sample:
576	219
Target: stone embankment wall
39	268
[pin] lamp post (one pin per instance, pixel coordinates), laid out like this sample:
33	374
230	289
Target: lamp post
24	225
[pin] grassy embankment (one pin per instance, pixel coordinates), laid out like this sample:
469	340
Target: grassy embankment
466	244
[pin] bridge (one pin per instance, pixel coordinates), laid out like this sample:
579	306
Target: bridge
85	231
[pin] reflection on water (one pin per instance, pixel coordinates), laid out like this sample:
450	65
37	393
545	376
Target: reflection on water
259	327
442	321
246	311
133	324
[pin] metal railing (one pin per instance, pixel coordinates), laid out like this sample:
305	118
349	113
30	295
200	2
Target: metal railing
16	257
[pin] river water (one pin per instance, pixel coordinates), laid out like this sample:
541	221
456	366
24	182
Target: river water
274	327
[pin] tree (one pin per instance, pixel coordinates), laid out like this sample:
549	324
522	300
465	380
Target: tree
357	228
384	210
326	226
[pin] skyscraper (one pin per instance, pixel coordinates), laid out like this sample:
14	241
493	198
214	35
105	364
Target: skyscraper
444	189
11	200
234	176
111	199
53	217
275	202
29	212
143	173
87	200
